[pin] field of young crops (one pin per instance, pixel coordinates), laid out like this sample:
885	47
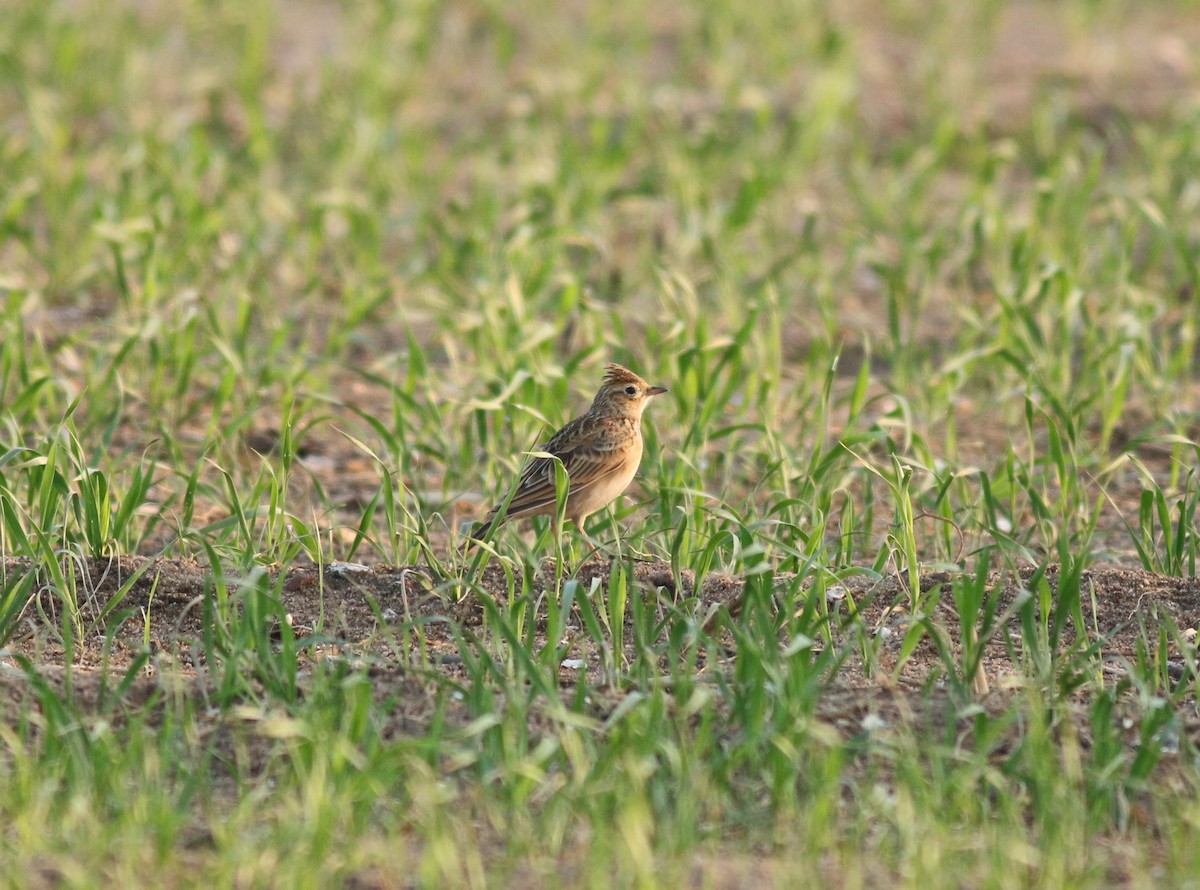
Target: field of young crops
903	594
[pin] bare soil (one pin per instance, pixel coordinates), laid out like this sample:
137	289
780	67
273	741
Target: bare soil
367	613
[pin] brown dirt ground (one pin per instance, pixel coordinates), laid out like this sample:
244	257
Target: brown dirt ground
363	612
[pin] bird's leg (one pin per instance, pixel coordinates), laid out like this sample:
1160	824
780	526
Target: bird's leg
595	545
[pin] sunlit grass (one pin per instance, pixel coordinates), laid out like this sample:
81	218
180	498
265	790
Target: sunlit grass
292	284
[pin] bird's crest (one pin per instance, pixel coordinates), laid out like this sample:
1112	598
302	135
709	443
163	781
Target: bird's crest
617	375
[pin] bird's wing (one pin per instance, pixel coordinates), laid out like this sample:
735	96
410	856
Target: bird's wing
589	452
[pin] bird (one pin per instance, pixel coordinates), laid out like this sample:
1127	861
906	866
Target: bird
600	452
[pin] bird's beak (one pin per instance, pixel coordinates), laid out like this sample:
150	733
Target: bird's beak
656	390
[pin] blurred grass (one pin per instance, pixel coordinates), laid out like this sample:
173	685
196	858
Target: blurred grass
302	281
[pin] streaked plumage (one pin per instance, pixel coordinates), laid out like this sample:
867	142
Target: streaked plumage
600	452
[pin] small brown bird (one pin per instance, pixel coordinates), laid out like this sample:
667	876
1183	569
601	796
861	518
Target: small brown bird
599	450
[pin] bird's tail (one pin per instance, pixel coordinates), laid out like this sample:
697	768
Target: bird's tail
480	531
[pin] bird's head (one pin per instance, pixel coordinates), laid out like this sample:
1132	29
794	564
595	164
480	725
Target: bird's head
625	391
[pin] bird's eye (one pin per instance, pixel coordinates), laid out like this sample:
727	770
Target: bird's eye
631	390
